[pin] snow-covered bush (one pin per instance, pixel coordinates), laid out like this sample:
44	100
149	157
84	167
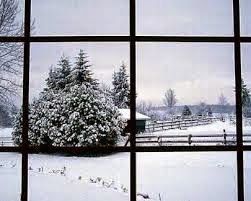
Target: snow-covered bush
72	110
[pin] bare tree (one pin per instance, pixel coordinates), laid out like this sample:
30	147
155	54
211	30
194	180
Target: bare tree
144	107
170	100
222	100
11	54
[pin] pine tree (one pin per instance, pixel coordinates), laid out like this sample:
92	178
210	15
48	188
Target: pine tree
246	101
121	88
186	111
81	72
245	94
59	77
85	119
5	118
17	128
72	110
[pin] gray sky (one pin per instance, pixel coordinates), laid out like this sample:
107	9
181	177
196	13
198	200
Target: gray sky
197	72
105	58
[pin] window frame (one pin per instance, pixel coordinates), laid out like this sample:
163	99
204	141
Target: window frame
132	39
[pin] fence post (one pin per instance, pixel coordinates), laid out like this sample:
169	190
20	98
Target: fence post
224	137
159	139
189	139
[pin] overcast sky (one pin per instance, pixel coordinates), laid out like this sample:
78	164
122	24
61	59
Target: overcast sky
197	72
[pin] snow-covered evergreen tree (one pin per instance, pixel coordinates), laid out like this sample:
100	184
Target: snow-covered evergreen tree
246	101
59	77
72	110
84	118
17	128
121	88
186	111
5	118
81	72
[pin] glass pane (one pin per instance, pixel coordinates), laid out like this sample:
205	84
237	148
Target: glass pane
246	86
185	92
11	17
245	6
11	77
247	175
10	176
78	178
182	17
187	176
89	17
79	94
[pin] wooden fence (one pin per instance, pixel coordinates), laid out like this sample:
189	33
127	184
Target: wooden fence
219	139
6	141
179	124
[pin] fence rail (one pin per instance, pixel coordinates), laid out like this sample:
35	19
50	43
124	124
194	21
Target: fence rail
6	141
221	139
179	124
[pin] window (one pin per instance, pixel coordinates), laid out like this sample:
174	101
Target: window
137	34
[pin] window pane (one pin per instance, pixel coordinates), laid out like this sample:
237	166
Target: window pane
89	17
182	17
247	174
11	17
10	176
79	94
11	75
186	92
245	6
246	86
64	178
187	176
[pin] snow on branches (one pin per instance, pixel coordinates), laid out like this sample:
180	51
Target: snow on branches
72	110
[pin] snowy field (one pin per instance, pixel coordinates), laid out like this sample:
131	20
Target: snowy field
5	137
61	178
191	176
5	132
172	176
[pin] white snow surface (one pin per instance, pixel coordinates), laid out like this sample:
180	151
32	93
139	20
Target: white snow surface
5	132
126	115
174	176
46	182
191	176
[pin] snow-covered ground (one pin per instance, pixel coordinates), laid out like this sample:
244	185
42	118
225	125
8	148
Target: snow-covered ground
5	132
60	178
213	128
172	176
5	137
191	176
